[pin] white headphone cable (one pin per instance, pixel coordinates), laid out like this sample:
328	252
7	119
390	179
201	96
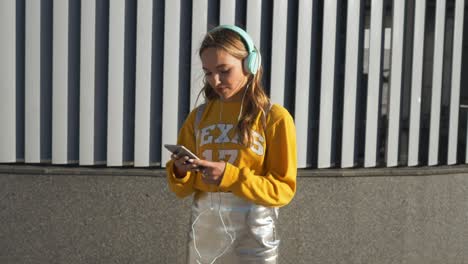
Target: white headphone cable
232	238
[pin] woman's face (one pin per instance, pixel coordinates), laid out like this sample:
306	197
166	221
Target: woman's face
224	73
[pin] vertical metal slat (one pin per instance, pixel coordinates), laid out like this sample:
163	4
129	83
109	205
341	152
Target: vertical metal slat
395	82
60	83
278	47
199	23
254	17
374	83
464	108
143	82
456	78
116	83
303	80
32	83
352	72
8	81
416	82
327	83
171	74
437	82
87	82
227	14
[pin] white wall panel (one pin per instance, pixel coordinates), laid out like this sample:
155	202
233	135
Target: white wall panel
464	109
395	82
416	82
33	81
87	82
456	78
8	81
116	83
374	83
199	28
143	82
254	19
352	72
327	83
278	52
227	12
304	39
171	76
437	82
60	83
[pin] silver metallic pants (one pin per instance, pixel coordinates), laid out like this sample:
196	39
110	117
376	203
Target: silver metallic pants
227	229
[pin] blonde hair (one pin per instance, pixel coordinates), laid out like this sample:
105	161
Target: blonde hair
256	100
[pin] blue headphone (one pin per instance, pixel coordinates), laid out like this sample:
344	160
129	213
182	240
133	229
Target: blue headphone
253	60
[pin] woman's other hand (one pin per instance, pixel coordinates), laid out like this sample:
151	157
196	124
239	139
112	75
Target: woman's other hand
212	171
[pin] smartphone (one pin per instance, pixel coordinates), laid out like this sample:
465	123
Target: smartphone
180	150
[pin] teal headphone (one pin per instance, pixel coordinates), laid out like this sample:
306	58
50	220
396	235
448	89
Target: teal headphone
253	60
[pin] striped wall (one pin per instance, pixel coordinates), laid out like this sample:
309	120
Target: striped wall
107	82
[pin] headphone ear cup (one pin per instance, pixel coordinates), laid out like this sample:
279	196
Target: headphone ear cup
252	62
246	64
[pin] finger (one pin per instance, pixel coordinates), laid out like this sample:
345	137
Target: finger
201	163
186	160
193	167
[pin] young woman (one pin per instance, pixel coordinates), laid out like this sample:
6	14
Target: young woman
247	149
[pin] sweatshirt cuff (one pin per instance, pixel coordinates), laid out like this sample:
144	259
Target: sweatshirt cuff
230	177
170	172
181	180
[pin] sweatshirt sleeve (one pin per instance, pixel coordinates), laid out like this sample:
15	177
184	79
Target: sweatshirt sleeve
183	187
278	186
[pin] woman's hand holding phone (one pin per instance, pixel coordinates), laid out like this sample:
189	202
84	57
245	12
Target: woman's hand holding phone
182	164
185	160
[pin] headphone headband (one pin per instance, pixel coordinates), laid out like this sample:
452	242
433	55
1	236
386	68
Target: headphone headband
242	33
252	62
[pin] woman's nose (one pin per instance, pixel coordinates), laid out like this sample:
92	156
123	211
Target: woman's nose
215	79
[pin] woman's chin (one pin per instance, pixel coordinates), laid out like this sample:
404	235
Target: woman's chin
224	96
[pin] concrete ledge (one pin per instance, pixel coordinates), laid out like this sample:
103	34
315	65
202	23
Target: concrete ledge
25	169
393	171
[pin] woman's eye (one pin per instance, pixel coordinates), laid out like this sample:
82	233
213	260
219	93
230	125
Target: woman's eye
225	71
207	73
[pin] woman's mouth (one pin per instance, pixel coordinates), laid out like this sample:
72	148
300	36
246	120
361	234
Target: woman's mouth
221	89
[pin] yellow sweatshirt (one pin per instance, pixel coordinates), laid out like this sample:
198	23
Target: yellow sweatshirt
264	173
